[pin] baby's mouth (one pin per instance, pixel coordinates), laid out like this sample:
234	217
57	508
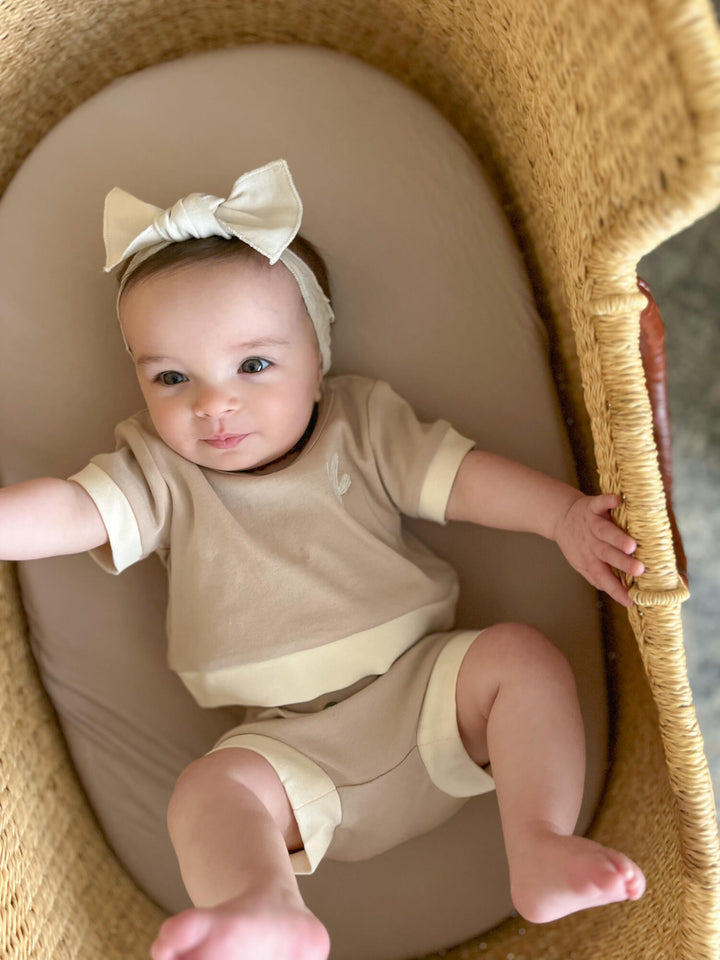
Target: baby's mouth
225	441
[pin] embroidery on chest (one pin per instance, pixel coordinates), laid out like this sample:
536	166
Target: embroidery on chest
338	484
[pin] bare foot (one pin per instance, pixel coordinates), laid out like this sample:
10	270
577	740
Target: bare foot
554	875
252	927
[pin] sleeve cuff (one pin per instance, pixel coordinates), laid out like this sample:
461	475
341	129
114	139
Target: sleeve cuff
441	474
125	545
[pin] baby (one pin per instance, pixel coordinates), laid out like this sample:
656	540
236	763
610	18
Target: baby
274	496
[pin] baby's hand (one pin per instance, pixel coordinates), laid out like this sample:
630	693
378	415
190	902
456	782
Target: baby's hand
593	544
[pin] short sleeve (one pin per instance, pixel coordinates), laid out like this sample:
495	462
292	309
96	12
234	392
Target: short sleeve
417	461
134	502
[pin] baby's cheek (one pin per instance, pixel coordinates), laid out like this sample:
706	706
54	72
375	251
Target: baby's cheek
175	434
286	411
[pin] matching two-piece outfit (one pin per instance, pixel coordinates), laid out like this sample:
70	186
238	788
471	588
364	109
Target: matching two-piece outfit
295	591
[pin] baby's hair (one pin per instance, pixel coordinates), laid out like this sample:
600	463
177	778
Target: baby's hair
218	249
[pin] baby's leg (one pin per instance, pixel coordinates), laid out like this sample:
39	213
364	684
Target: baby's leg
517	707
232	825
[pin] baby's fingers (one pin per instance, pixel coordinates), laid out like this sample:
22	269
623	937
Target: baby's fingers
614	587
606	578
604	503
606	529
615	539
621	560
602	576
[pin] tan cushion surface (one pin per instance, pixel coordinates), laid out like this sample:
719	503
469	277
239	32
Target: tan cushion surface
429	293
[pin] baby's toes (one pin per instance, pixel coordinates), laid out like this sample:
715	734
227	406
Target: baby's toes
180	934
631	875
635	884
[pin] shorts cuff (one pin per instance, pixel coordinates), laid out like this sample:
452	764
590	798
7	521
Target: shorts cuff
312	794
449	765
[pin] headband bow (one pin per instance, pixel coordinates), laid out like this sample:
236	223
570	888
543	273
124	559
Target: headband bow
264	210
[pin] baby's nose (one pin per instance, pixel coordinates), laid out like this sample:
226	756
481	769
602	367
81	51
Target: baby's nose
215	403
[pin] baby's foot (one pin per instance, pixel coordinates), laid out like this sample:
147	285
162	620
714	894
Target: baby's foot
554	875
252	927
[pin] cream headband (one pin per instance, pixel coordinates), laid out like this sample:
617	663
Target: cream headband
264	209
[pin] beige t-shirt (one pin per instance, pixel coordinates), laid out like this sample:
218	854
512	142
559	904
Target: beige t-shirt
288	584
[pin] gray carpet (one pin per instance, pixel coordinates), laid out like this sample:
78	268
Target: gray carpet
684	275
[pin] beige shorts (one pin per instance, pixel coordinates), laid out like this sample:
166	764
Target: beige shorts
381	766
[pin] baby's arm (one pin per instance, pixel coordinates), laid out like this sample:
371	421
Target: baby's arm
47	518
496	492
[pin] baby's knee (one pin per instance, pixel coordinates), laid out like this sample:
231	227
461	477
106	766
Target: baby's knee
217	772
520	649
533	653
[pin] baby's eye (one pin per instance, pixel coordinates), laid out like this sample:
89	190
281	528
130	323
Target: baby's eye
170	378
254	365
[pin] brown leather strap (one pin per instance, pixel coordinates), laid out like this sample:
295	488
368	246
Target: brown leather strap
652	351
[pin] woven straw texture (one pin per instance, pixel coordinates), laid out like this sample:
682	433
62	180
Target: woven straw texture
600	123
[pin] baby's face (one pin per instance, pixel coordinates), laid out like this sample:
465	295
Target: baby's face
227	360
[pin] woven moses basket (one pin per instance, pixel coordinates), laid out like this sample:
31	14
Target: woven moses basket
600	124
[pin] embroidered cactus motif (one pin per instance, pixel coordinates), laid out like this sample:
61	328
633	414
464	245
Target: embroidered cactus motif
338	485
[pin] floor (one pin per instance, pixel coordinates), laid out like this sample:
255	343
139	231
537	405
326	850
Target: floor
684	275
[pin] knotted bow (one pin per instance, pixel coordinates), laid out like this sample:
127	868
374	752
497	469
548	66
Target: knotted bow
264	210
